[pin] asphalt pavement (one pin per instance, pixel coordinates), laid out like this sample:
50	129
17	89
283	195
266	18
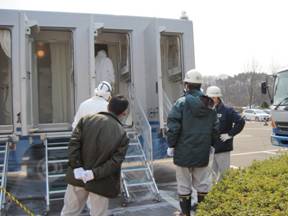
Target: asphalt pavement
253	143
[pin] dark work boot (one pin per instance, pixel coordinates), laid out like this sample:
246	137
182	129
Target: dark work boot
201	196
185	204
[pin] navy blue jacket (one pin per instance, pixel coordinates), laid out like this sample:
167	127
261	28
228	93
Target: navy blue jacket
229	122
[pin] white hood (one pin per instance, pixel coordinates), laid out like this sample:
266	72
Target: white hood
104	68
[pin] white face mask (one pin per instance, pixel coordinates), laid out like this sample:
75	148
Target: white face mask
123	118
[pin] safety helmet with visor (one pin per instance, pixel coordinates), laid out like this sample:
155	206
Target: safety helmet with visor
104	90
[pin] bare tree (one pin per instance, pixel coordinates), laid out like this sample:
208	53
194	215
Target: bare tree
252	69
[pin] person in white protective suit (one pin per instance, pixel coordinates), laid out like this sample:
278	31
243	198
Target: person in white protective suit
95	104
104	68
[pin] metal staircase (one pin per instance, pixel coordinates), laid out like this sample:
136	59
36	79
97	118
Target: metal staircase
136	170
4	143
56	164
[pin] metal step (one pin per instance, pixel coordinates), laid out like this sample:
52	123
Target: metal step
57	175
58	198
134	150
58	161
132	135
134	169
55	135
134	156
58	148
140	184
57	143
57	191
134	144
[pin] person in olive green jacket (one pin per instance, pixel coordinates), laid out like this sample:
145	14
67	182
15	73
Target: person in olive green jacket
96	151
192	126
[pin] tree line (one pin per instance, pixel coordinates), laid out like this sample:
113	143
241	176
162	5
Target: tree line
242	90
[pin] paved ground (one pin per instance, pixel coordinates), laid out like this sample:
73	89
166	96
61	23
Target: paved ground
252	144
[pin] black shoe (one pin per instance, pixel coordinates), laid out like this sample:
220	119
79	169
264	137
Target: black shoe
185	204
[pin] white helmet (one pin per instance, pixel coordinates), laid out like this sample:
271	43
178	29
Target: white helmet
104	90
213	91
193	76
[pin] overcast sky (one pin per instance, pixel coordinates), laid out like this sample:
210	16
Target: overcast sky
228	34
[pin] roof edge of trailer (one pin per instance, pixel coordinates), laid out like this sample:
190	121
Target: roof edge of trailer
95	14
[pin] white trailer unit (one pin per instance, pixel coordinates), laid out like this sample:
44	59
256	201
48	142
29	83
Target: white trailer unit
48	67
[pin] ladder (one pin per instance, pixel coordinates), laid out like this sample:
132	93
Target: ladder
56	164
136	170
4	142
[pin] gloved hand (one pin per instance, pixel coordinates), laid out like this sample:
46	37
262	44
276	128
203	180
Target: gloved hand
79	173
88	176
170	152
225	137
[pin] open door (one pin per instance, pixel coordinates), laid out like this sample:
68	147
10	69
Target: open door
53	84
164	63
110	60
6	120
153	67
171	70
47	85
169	52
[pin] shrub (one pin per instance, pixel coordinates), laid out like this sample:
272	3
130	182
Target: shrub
259	190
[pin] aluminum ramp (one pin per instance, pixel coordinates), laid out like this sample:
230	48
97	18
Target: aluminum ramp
137	171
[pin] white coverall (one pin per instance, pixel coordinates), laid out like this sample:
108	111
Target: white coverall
89	107
104	68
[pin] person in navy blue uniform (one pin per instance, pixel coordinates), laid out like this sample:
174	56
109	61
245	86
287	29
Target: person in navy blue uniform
230	124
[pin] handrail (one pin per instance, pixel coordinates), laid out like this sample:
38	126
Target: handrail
142	126
167	105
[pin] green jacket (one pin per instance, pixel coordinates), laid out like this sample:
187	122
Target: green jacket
98	143
192	126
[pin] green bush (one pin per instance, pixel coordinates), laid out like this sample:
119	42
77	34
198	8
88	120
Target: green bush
264	105
259	190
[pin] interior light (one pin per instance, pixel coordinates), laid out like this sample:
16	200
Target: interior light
40	53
